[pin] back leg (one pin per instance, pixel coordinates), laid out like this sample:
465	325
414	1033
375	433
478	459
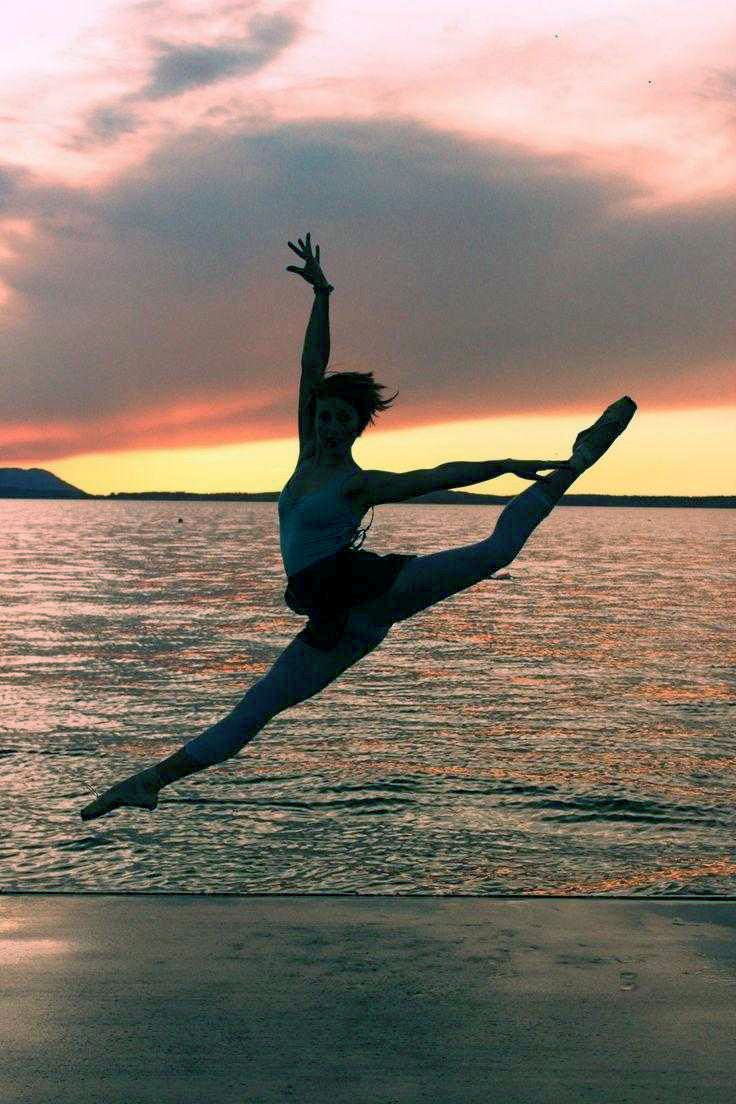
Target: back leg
299	673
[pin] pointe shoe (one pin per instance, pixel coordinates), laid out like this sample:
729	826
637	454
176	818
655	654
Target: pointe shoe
591	443
134	791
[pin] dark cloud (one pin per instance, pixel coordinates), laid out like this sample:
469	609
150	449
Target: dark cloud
474	277
178	69
10	181
103	126
106	123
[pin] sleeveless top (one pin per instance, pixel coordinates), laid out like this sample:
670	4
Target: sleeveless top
328	573
317	524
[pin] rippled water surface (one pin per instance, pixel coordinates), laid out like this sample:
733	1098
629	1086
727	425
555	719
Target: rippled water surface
569	730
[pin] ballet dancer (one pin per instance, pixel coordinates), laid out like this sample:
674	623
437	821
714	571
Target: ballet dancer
350	595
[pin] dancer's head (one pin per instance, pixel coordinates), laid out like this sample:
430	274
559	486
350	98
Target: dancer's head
336	424
342	405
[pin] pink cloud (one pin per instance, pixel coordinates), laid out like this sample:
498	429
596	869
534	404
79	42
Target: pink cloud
631	88
519	195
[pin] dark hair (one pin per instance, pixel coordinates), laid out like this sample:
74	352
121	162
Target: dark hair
357	388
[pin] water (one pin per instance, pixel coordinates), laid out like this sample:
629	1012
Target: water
567	731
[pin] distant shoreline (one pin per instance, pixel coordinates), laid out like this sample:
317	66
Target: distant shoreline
437	498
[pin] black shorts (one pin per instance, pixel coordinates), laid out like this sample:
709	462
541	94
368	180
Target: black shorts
326	590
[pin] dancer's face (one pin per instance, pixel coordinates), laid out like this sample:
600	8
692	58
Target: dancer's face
336	424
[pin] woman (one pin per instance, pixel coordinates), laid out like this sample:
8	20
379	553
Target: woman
352	597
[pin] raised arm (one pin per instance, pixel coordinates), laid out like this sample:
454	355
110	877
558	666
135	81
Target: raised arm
315	355
316	352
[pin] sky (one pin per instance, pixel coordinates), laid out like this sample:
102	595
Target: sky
526	211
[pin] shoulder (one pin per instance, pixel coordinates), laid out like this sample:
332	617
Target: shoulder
362	488
374	488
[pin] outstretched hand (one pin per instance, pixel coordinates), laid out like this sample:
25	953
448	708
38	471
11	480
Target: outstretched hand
528	469
311	272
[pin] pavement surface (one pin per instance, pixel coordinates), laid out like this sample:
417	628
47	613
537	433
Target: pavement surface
152	999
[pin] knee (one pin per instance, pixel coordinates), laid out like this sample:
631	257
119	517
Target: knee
494	553
498	563
494	563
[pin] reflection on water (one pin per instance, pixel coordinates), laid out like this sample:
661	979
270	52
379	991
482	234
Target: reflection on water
568	730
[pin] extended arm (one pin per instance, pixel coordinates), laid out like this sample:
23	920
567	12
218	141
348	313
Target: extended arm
462	473
375	487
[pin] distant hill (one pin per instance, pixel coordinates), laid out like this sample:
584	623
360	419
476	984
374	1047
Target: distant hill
35	483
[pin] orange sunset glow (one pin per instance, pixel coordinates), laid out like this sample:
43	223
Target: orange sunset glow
526	211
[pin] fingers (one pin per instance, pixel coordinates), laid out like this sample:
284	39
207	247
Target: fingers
304	250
